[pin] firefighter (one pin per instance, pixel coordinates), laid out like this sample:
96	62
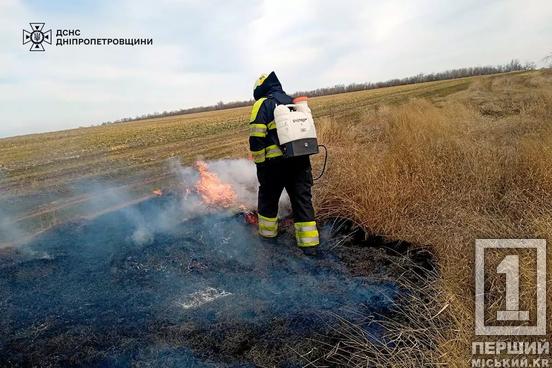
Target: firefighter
275	172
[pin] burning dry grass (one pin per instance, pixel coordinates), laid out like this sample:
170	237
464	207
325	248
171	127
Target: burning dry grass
212	190
444	176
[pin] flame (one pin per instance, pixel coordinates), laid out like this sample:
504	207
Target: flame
251	218
212	190
157	192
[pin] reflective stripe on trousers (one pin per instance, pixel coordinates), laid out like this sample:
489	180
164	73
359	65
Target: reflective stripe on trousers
268	226
306	234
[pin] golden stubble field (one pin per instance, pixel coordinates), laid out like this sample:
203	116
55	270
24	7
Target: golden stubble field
436	164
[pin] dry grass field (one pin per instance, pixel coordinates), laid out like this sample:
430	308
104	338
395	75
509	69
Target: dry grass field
476	164
436	164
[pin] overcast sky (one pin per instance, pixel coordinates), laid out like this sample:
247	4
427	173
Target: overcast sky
207	51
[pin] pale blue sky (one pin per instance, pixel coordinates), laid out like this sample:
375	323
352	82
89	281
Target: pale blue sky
207	51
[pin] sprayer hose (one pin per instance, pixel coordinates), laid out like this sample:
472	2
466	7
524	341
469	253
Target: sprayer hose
325	161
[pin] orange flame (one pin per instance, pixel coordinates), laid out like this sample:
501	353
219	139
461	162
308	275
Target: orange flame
212	190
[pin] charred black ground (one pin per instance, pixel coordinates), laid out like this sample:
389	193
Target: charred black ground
146	286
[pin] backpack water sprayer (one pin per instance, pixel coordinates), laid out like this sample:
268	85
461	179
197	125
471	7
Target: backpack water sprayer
296	130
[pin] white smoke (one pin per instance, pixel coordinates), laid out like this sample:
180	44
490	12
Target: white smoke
240	174
142	236
10	233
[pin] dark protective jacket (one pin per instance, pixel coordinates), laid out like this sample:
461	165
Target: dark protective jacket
276	173
263	140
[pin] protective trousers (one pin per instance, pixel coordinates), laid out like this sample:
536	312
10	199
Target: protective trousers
295	175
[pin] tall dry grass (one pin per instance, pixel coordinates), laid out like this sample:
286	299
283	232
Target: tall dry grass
477	165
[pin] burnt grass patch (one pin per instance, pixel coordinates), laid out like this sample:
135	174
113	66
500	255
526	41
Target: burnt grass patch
147	287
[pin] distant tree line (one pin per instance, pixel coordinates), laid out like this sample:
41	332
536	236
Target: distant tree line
512	66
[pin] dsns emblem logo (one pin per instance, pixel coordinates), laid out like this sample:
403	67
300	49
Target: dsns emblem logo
37	36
